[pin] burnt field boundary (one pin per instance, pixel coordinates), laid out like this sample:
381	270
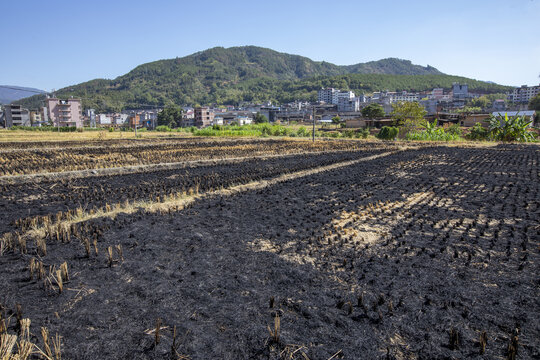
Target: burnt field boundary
60	223
136	169
111	155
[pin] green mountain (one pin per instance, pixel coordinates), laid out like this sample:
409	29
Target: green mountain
231	75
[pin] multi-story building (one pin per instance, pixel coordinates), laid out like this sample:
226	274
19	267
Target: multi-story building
134	121
437	93
15	115
104	119
328	96
430	105
44	115
203	116
65	112
347	104
460	91
35	118
402	97
345	95
120	119
270	112
91	115
525	93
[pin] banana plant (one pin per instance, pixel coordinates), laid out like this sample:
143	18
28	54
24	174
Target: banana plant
514	128
430	127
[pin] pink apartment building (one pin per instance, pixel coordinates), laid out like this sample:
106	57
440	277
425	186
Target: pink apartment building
65	112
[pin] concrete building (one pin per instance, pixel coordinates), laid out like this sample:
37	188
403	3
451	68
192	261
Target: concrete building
91	114
103	119
525	93
120	119
437	93
35	118
44	115
460	91
15	115
65	112
271	112
236	117
134	121
430	105
499	105
345	95
203	117
328	96
472	119
402	97
347	104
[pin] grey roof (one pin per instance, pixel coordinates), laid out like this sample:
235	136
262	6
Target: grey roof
513	113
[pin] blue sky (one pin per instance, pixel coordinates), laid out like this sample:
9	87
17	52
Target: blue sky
67	42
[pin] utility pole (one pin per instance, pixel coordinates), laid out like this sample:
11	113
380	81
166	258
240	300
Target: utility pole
313	132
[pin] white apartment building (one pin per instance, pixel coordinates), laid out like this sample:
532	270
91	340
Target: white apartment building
402	97
346	95
104	119
328	95
525	93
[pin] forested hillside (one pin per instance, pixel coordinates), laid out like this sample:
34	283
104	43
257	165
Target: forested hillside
232	75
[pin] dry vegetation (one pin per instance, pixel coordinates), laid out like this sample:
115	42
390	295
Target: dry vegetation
327	251
30	158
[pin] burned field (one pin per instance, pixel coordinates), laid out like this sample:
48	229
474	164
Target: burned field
364	252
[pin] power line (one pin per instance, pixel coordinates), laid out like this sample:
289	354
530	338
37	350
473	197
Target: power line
21	89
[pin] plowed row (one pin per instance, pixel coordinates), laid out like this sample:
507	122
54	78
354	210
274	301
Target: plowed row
108	154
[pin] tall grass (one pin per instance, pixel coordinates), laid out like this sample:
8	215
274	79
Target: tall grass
262	130
433	136
251	130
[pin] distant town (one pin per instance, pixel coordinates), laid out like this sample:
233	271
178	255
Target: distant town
456	105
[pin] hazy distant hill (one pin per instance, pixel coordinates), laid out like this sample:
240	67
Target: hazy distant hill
230	75
9	93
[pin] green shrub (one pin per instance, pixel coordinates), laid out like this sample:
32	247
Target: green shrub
163	128
478	132
302	131
349	133
436	135
111	129
362	134
454	129
433	133
333	134
388	133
